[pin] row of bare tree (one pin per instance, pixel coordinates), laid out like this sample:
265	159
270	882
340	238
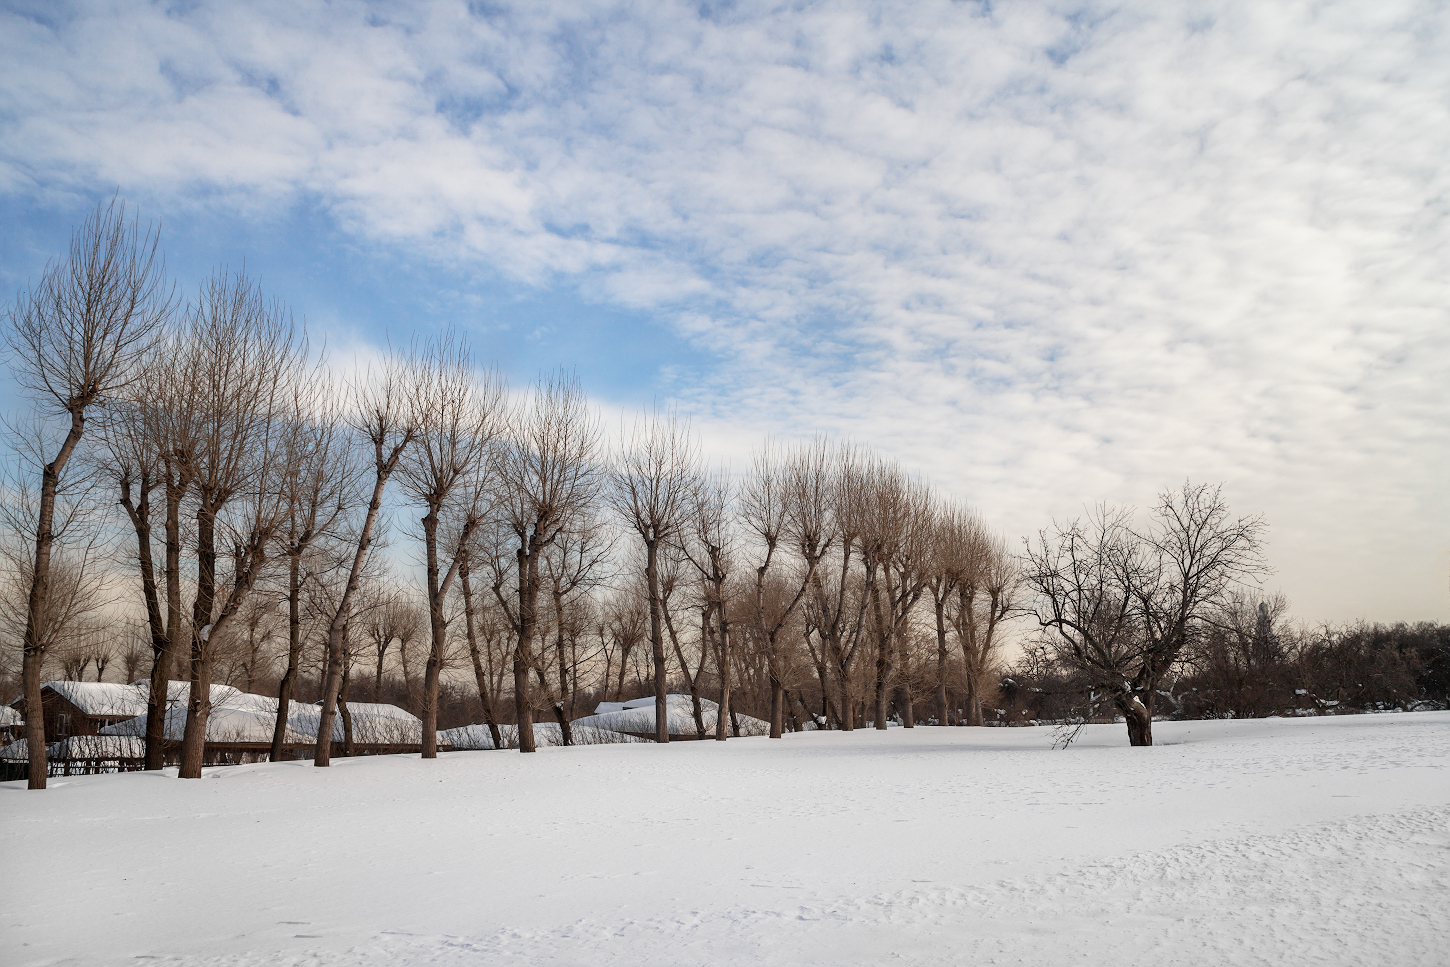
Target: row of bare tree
255	488
251	479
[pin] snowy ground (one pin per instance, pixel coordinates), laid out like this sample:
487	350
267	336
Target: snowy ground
1282	842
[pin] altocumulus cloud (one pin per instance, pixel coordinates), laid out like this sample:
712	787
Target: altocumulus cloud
1046	253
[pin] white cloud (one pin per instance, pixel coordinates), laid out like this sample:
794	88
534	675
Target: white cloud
1048	253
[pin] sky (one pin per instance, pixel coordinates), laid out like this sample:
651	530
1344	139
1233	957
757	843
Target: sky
1045	254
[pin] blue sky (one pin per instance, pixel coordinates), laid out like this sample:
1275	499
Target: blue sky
1045	253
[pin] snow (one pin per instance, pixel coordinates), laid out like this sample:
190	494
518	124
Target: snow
1284	842
478	737
372	723
9	717
224	724
638	716
243	717
113	699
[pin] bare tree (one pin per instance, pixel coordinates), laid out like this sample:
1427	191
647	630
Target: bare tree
670	575
574	563
986	596
548	479
445	472
245	360
953	542
394	618
386	415
74	340
650	490
486	675
709	545
895	542
840	598
134	439
166	405
1122	604
320	476
784	501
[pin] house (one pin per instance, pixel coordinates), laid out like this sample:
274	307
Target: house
84	708
377	729
235	733
239	728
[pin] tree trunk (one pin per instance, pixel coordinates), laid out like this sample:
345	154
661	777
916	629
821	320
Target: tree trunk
378	670
480	677
1140	722
348	748
524	651
883	667
560	713
942	708
722	659
156	694
176	664
657	642
777	706
294	655
331	687
437	628
903	691
198	709
974	702
322	754
34	654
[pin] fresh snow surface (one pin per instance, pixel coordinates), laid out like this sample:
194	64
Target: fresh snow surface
1274	842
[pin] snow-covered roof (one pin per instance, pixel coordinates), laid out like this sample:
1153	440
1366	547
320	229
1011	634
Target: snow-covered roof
646	702
17	751
101	698
224	724
471	737
372	723
9	717
113	700
638	716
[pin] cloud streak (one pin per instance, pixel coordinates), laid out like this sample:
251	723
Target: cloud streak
1046	253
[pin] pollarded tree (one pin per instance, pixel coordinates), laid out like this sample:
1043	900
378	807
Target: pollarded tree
840	593
784	501
446	473
320	475
986	596
896	546
242	360
650	490
547	480
573	565
954	540
386	418
709	544
74	342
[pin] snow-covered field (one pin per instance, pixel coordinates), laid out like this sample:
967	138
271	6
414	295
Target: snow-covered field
1315	841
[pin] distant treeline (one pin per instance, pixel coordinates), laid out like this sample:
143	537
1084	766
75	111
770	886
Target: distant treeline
1288	671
